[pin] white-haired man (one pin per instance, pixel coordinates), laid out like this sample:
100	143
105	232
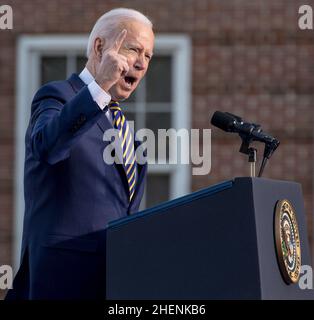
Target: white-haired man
71	193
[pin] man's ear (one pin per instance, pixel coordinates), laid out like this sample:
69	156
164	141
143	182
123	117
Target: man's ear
99	47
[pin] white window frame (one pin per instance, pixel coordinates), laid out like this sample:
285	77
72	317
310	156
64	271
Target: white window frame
29	51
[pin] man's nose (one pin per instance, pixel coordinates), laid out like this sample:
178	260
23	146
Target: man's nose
140	64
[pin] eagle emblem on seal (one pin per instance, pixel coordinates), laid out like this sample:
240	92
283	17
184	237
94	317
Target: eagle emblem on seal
287	240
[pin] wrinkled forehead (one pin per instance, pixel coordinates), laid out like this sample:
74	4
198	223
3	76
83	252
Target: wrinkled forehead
138	31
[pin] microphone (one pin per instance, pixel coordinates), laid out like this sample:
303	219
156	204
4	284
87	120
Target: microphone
248	132
232	123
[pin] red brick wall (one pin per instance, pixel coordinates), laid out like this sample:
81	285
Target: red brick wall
249	58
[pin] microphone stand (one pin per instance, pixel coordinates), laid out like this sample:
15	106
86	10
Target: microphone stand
261	170
248	132
270	147
251	152
252	160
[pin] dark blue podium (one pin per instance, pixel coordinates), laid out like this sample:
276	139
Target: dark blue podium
217	243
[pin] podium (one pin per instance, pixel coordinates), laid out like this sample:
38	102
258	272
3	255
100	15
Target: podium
216	243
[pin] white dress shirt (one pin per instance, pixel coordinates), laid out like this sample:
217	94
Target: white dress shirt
101	97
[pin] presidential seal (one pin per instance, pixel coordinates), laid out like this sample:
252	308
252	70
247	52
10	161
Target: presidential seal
287	241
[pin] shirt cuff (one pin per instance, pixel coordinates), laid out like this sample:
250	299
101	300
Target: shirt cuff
101	97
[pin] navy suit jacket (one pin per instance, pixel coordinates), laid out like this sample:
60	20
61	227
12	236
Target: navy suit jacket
70	196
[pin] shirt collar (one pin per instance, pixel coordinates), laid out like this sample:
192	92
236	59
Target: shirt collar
86	76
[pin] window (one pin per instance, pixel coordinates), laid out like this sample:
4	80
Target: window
161	101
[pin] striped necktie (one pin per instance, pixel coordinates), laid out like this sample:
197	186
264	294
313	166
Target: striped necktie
127	145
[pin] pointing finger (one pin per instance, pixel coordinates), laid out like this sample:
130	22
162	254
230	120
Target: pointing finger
119	40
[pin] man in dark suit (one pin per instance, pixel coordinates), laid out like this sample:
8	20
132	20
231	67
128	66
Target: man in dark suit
71	193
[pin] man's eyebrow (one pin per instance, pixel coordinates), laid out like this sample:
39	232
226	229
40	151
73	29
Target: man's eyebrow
133	44
139	46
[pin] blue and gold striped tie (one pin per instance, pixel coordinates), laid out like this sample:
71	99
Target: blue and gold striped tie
127	145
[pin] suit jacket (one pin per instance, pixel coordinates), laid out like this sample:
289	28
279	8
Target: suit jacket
70	196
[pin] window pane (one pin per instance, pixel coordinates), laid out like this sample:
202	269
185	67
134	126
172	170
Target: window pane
130	116
157	189
53	68
155	121
80	63
158	80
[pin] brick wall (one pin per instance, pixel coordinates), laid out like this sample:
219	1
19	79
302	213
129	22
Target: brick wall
249	58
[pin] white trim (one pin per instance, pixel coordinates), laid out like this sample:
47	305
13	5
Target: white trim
181	90
30	48
179	46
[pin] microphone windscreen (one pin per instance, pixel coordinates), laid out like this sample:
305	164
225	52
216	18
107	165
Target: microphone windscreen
223	121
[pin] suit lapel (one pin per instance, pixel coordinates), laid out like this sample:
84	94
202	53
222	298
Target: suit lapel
77	84
141	170
104	124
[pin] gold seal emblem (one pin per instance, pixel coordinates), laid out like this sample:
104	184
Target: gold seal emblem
287	241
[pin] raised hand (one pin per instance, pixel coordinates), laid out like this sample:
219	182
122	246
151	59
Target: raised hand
113	65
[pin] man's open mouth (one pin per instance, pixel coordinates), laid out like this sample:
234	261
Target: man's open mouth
129	81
